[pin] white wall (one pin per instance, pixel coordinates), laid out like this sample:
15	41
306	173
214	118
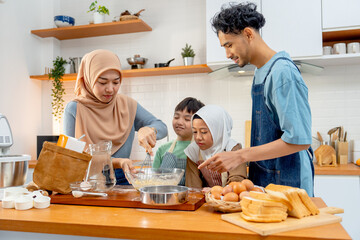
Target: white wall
334	94
23	54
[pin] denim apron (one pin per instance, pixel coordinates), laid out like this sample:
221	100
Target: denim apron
283	170
171	161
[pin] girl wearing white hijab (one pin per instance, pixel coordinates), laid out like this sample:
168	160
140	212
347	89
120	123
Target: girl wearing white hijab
211	127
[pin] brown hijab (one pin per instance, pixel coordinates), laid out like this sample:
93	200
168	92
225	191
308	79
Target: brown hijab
97	120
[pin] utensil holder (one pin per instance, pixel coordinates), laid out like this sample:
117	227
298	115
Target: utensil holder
342	152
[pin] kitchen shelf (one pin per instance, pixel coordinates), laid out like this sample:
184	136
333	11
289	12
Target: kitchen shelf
146	72
94	30
346	36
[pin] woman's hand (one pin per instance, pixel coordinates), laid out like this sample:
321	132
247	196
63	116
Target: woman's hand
147	138
125	164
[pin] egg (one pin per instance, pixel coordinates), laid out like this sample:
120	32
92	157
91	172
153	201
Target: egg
244	194
248	184
226	190
257	189
217	189
216	195
231	197
232	184
238	188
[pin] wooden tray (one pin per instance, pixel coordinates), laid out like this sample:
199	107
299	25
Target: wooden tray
265	229
127	197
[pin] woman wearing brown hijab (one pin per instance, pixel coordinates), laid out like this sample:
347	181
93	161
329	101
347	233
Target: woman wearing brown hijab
99	112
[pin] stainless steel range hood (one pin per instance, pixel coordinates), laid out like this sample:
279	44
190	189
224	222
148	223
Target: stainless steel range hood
228	69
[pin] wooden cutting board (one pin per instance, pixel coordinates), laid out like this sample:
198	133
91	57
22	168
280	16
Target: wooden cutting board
127	197
289	224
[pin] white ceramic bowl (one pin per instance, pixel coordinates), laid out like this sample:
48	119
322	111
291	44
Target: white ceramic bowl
64	21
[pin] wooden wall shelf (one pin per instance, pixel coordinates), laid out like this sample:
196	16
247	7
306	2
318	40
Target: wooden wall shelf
146	72
94	30
345	36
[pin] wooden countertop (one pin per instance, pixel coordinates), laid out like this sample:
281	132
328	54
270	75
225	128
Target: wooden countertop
350	169
109	222
347	169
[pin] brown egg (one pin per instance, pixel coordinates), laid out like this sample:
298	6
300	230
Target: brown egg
231	197
232	184
248	184
216	189
239	188
257	189
226	190
216	195
244	194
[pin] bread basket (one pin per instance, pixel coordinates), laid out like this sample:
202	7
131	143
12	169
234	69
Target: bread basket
222	206
128	17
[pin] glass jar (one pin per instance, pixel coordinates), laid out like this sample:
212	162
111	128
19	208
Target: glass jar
100	167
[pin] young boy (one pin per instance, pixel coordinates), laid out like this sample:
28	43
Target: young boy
171	154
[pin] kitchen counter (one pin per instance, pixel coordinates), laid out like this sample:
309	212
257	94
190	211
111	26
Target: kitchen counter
132	223
346	169
350	169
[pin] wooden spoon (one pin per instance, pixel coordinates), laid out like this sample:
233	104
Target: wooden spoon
331	131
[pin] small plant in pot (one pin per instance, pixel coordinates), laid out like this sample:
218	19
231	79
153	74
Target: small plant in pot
58	90
188	55
99	12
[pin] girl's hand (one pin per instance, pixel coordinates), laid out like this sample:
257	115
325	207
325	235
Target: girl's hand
147	139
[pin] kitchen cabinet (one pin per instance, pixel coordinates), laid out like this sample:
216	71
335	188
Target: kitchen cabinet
342	191
94	30
293	26
215	54
340	15
145	72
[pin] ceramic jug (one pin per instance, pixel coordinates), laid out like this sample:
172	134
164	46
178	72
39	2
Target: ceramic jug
100	167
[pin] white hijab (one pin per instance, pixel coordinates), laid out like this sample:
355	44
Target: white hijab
220	124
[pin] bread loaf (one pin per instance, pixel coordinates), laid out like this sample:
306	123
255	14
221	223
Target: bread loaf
302	205
261	208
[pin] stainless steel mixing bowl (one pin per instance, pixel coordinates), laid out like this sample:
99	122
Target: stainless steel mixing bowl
164	195
13	171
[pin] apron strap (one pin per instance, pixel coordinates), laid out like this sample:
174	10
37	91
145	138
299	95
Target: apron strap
171	149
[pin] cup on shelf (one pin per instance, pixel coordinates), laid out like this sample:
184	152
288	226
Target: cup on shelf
353	47
327	50
339	48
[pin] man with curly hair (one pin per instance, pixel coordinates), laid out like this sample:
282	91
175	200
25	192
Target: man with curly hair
280	149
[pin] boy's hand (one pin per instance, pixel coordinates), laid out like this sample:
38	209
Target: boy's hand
147	139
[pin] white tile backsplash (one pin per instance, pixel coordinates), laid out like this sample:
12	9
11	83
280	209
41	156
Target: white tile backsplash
334	94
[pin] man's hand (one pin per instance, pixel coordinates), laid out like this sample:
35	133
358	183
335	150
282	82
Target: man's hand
147	139
222	162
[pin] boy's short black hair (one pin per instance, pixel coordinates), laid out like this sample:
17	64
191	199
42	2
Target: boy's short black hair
192	105
236	17
196	117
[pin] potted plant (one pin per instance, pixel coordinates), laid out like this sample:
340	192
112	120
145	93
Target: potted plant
188	55
58	90
99	12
